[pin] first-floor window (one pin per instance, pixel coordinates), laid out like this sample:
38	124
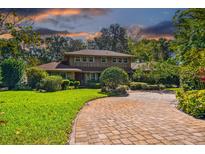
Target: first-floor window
92	76
125	60
119	60
104	59
114	60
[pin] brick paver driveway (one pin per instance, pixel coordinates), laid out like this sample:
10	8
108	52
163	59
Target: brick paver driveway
140	118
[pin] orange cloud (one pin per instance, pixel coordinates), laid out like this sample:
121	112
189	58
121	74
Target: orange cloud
93	35
6	36
56	12
62	12
77	34
86	35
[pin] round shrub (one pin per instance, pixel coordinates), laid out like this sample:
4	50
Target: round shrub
34	76
51	83
71	83
65	84
76	84
12	71
112	77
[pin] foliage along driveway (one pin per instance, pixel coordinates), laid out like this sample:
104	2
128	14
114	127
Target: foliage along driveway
140	118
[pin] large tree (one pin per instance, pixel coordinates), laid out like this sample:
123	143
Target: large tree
21	36
190	34
55	47
190	46
112	38
150	50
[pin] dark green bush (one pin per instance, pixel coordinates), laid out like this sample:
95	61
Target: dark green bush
112	77
22	86
104	89
12	71
145	86
137	85
192	102
189	79
65	84
158	73
152	87
121	90
0	77
51	83
34	76
93	84
71	82
76	84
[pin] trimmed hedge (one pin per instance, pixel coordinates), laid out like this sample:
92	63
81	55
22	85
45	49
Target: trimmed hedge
34	76
51	83
192	102
12	71
65	84
137	85
145	86
93	84
76	84
121	90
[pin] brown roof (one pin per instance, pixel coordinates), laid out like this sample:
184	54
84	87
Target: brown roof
89	52
58	66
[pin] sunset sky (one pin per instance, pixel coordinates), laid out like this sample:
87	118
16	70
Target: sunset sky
85	23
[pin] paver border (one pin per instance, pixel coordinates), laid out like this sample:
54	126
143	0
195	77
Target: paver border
71	135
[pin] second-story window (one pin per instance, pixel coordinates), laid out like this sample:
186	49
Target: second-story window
91	59
77	59
84	59
125	60
103	59
114	60
119	60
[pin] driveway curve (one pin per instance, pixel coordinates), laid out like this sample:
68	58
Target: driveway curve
140	118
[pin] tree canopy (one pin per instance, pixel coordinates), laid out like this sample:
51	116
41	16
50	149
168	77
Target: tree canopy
113	38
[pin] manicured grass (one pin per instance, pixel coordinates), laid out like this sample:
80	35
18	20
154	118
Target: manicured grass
174	89
29	117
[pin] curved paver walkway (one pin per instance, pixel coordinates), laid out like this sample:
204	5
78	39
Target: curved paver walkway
140	118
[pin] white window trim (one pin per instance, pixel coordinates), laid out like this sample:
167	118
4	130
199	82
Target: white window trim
121	60
85	58
89	59
79	59
124	61
115	60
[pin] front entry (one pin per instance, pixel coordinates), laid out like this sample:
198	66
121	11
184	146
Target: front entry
80	77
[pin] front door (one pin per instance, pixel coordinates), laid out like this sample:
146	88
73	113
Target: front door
80	77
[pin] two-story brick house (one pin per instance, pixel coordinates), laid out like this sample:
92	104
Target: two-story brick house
85	65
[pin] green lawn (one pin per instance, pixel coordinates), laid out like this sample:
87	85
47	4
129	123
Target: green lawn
174	89
29	117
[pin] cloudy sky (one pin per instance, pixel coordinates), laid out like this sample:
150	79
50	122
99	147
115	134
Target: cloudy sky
83	23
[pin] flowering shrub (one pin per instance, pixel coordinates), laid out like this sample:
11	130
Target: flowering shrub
192	102
202	74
